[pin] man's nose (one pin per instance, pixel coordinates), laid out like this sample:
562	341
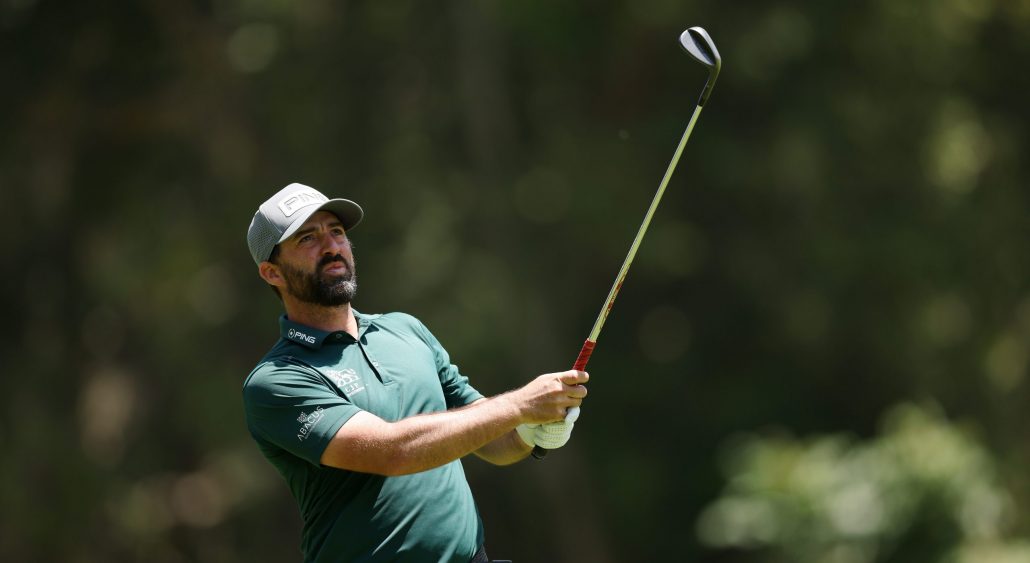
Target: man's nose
332	245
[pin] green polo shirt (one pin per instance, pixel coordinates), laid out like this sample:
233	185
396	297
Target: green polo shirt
308	386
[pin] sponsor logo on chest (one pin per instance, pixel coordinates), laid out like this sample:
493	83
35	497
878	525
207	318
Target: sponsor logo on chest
347	380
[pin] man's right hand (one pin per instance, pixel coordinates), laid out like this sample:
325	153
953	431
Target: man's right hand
549	397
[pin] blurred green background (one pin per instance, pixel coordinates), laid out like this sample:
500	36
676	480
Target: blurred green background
820	354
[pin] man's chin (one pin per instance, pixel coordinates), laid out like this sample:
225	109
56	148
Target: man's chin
340	293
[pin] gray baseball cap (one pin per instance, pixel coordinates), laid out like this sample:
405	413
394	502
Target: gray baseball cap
279	217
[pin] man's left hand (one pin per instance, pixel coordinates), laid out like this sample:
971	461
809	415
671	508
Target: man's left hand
552	435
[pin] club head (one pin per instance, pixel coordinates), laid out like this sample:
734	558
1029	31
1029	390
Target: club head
699	45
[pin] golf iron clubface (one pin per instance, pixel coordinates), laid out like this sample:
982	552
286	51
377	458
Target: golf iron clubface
698	44
700	47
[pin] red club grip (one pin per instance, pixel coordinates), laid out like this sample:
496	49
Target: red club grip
580	365
584	355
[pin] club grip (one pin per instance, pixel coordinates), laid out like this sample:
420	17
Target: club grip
580	365
584	355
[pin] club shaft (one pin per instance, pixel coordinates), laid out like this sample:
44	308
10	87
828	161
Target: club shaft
588	347
624	270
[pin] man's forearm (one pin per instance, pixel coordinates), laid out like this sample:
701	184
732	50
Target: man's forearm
368	444
505	450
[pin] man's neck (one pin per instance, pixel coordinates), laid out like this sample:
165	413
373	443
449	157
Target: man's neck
329	319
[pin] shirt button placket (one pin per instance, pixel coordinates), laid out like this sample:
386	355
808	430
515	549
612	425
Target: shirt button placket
371	361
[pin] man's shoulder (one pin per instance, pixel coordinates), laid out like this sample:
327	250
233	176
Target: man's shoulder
278	365
394	319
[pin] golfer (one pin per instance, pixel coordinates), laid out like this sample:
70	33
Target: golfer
364	415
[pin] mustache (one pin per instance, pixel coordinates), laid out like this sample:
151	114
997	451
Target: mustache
326	260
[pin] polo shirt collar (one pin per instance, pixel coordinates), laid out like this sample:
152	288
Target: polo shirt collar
313	337
364	321
301	334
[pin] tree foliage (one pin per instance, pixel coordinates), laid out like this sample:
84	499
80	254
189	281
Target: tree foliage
846	233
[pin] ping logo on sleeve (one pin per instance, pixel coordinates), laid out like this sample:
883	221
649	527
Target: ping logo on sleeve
308	421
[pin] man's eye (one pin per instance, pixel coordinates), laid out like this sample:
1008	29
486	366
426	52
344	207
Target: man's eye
305	238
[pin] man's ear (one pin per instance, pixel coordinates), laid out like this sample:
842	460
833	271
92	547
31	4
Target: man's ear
271	274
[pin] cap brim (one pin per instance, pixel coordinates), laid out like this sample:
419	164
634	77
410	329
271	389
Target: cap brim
349	213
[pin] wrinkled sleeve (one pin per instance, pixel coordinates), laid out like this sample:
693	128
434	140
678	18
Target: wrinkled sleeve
294	408
456	387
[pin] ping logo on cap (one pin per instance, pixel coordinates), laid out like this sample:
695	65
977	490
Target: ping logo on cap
297	200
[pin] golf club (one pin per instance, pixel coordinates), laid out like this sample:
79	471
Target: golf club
700	46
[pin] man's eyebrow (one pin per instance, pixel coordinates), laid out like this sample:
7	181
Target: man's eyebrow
314	228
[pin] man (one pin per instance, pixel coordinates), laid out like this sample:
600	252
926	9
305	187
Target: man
364	415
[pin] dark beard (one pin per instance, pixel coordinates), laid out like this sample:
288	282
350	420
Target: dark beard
322	289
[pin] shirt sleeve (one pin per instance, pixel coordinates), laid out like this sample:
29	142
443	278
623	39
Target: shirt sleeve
294	408
456	387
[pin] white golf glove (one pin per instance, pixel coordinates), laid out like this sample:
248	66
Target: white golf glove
552	435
